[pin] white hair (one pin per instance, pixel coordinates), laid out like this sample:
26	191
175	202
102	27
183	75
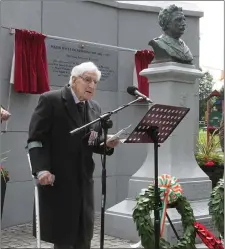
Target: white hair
84	67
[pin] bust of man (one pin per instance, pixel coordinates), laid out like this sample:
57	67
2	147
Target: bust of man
169	46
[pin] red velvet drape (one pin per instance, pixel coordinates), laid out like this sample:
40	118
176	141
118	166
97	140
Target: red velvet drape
142	59
31	70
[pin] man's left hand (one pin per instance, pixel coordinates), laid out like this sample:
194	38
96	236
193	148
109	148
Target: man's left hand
113	143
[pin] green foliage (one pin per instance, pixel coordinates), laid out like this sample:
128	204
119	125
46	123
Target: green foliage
202	159
211	147
216	206
145	228
205	88
208	152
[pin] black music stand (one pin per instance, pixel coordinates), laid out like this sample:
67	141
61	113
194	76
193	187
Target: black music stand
155	127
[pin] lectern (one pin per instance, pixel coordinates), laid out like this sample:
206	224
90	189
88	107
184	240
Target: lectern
155	127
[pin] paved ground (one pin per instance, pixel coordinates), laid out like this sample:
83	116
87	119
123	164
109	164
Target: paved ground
21	237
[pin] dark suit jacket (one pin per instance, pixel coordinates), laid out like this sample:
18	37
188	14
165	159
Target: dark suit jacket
67	208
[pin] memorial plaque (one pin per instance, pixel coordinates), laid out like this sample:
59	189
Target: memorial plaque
62	56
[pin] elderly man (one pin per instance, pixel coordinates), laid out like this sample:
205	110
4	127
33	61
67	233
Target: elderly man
169	46
63	162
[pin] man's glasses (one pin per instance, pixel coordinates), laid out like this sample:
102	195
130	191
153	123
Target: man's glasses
88	79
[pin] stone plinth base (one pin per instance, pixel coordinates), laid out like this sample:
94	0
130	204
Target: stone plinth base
119	222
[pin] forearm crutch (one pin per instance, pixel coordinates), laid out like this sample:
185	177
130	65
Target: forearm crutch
37	211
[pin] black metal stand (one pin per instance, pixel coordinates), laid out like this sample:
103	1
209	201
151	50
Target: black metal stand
155	127
171	224
153	134
105	124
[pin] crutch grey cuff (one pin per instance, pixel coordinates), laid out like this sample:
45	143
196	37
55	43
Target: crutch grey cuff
34	144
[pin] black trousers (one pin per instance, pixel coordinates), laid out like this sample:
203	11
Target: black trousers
82	246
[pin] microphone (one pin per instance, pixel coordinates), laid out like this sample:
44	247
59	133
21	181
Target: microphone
132	90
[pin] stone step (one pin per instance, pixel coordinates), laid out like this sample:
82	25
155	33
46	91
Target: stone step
201	246
119	222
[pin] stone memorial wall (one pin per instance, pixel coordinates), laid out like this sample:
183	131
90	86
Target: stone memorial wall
63	56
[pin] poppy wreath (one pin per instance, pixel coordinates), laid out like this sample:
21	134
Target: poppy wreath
207	237
171	194
216	206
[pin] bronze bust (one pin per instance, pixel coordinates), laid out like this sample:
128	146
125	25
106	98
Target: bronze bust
169	46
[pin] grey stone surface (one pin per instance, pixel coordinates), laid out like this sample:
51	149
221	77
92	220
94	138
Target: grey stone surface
21	108
119	221
194	189
152	6
103	17
21	237
15	193
21	14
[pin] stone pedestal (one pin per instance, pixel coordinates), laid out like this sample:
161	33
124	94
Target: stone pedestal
172	84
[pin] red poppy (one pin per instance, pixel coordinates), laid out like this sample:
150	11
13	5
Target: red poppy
210	163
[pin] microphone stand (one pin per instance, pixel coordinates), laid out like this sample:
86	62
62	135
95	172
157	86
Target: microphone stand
106	124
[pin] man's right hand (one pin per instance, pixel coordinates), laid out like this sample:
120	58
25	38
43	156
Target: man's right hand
4	114
46	179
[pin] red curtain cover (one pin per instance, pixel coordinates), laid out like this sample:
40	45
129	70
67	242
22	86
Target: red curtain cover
31	69
142	59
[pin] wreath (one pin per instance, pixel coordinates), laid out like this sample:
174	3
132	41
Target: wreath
216	206
171	194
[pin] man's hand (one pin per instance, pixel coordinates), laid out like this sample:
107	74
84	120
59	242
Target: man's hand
113	143
46	178
4	114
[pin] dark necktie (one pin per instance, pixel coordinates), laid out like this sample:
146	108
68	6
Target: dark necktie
81	109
